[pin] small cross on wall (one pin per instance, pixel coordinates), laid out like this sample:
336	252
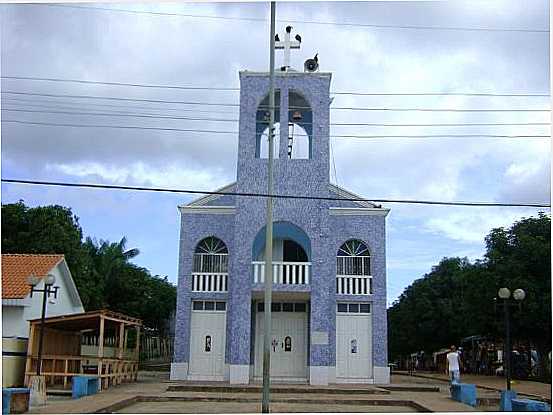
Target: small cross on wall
287	44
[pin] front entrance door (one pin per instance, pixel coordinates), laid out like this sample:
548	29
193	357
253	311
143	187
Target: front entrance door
207	340
353	342
288	341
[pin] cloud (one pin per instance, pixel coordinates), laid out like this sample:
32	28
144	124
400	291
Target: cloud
49	41
472	226
170	176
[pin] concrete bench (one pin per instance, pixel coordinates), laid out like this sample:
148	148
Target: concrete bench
15	400
529	405
84	386
464	392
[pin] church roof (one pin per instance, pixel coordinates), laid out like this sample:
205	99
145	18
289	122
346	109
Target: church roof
333	188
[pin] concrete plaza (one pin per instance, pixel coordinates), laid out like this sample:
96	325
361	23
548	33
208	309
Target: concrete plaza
154	393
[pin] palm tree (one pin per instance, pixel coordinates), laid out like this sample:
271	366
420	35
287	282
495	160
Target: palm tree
110	260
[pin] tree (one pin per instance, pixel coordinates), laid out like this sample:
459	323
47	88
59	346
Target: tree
103	273
49	230
456	299
520	257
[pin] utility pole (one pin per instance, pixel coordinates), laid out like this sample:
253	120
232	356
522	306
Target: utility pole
265	405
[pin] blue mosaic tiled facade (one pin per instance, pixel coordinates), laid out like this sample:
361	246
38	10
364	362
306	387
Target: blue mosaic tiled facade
244	220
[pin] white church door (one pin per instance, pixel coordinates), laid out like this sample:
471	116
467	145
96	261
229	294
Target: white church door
288	341
353	343
207	340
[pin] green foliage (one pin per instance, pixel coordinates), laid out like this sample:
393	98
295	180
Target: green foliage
456	299
102	272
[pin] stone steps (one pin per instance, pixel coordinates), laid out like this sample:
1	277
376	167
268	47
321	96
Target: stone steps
304	389
316	401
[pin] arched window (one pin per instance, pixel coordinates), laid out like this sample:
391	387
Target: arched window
353	258
211	256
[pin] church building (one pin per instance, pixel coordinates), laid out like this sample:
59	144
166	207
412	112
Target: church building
329	255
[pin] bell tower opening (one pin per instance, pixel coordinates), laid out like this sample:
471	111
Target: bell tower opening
262	127
300	127
264	142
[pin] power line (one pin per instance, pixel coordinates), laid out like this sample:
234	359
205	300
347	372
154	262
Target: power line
107	114
132	127
119	99
266	107
279	196
236	132
228	89
171	117
71	105
365	25
82	81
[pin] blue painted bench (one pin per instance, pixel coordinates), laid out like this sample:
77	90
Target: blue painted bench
464	392
529	405
505	402
15	400
84	386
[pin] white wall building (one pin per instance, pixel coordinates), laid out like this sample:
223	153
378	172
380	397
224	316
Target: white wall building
18	307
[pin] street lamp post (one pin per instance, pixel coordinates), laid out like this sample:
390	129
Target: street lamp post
48	289
505	294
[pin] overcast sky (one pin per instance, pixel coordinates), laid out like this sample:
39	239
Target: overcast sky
102	45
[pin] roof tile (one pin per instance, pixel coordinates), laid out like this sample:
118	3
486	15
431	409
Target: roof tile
17	267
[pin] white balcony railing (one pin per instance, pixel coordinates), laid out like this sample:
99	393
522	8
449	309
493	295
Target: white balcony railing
354	284
292	273
210	282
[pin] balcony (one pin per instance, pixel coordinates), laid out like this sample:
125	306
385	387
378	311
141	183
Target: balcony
354	284
210	273
353	275
288	273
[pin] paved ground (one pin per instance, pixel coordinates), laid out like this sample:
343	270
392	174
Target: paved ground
242	408
155	385
530	388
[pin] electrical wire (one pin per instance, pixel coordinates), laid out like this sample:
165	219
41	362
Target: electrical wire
230	89
276	107
236	132
108	114
71	105
277	196
171	117
254	19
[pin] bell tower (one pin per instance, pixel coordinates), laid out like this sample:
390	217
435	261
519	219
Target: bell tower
301	141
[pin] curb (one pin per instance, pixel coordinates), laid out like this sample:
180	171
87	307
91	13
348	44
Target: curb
490	388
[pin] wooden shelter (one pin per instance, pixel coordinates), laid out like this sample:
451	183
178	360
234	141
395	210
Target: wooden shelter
102	343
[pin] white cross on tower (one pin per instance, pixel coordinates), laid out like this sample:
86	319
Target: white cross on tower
287	44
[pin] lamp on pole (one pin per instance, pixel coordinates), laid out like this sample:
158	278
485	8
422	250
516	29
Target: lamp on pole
48	289
505	294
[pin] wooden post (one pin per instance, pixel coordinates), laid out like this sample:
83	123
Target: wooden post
119	353
125	343
137	352
100	350
65	373
137	345
121	339
29	363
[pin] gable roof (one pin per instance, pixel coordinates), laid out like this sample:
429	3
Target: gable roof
337	190
202	201
346	194
17	267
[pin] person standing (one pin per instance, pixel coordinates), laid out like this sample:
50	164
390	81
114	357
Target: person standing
453	365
